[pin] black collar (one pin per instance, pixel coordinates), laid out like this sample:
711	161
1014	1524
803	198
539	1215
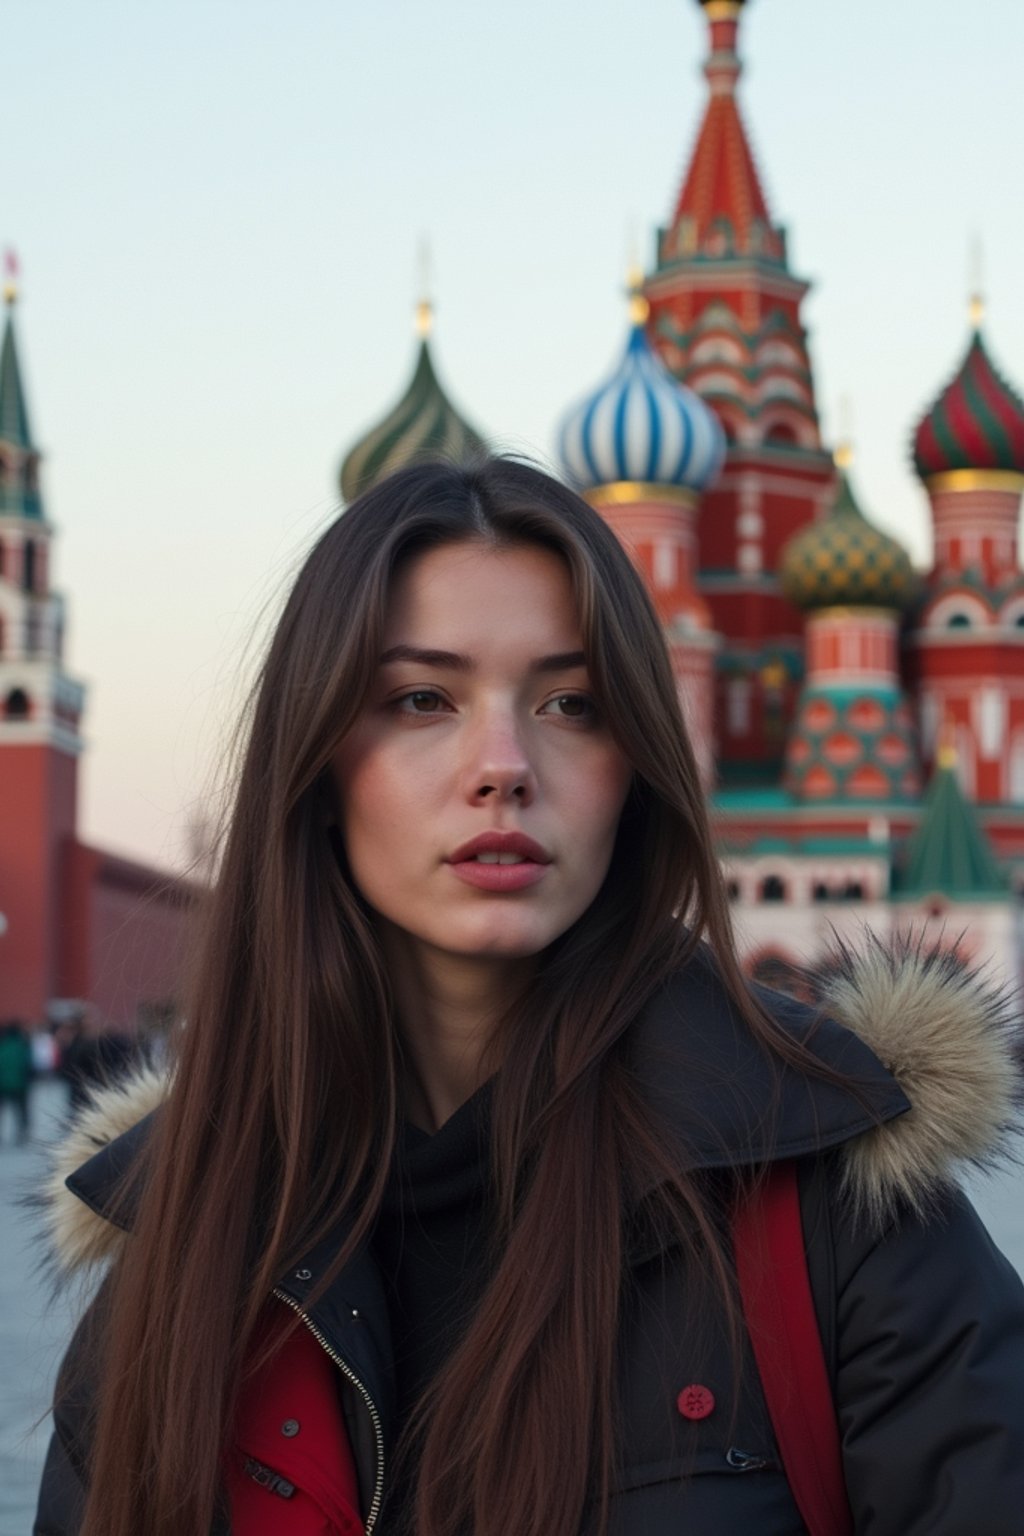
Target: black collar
729	1102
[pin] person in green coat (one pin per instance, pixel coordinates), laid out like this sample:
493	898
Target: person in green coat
16	1074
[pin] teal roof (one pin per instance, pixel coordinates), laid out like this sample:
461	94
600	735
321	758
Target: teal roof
752	798
13	412
949	854
19	493
805	847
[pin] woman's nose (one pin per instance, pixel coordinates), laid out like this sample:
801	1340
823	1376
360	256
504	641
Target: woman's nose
498	767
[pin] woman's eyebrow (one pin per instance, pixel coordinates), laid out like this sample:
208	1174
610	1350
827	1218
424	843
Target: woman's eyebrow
562	661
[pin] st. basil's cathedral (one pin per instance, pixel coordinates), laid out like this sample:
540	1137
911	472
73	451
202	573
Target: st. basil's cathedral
859	725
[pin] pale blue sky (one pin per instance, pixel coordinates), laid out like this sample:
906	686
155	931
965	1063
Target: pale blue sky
218	204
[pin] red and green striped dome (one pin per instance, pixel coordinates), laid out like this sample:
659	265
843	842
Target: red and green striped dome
976	423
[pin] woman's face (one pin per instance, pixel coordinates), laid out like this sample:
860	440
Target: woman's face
480	790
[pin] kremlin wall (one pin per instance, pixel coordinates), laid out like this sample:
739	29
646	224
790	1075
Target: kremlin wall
859	724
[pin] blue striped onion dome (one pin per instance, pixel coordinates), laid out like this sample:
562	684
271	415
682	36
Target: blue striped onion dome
641	424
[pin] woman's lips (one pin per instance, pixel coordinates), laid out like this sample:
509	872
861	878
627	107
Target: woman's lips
499	877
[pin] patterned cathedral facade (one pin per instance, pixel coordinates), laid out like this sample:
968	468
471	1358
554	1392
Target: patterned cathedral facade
860	724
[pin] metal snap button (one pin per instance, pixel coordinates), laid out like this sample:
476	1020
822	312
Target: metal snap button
290	1427
303	1274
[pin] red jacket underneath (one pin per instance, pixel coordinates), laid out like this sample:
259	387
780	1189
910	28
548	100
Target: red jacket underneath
290	1470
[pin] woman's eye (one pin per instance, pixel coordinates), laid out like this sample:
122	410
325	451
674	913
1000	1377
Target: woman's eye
423	701
572	706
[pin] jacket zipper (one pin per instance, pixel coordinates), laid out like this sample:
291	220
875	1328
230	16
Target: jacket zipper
350	1375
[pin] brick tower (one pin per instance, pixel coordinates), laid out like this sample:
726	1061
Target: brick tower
725	318
40	709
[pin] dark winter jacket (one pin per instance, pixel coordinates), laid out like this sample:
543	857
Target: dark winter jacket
922	1319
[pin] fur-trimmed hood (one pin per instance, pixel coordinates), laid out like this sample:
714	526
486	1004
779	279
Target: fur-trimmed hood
934	1048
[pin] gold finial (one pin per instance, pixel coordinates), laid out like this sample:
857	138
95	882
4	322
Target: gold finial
10	277
424	307
843	456
976	303
424	318
639	309
946	755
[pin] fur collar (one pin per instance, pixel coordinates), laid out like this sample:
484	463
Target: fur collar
935	1047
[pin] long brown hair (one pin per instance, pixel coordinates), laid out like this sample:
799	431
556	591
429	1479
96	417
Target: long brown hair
251	1162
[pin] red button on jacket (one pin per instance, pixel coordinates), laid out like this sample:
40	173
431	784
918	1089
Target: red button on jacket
291	1481
696	1402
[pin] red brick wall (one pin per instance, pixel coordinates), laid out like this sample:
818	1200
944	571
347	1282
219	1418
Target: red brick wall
126	937
37	815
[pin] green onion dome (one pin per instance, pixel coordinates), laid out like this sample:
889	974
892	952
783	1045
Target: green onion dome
976	423
844	561
423	425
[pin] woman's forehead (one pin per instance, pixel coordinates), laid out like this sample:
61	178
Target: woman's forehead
472	597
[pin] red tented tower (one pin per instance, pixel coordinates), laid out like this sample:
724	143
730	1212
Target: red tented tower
40	708
725	318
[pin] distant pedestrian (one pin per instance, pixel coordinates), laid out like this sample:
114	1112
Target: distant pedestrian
16	1074
44	1052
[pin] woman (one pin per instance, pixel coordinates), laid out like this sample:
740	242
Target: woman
431	1230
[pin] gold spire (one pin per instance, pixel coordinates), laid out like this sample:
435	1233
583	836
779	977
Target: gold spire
424	318
976	303
424	306
946	755
10	277
639	308
843	456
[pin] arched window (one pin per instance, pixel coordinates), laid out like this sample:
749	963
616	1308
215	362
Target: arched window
773	888
28	567
16	705
780	433
732	890
853	890
821	891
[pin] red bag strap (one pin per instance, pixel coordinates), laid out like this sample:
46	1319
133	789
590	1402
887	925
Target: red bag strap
771	1265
